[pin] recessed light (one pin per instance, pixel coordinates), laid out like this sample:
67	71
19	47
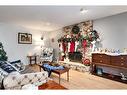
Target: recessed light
82	11
48	23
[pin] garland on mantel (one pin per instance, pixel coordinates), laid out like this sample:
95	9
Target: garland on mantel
91	36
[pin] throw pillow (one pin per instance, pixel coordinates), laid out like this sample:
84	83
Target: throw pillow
3	73
7	67
18	64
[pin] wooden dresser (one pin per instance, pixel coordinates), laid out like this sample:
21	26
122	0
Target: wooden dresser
111	61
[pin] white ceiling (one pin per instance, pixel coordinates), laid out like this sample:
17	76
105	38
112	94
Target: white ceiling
38	17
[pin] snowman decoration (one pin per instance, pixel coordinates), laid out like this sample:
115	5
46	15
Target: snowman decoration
96	41
95	45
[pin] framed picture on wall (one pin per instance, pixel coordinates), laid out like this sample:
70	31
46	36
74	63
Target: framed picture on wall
24	38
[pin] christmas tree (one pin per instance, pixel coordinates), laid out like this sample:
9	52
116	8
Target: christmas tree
3	56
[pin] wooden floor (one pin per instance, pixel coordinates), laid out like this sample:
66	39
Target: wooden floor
79	80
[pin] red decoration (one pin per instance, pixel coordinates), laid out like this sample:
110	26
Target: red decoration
84	43
86	62
72	46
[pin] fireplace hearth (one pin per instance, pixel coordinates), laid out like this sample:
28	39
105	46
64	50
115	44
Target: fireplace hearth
75	56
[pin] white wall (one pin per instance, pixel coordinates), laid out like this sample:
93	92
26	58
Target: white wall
9	38
113	29
55	35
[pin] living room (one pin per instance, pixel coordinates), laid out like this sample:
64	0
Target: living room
27	33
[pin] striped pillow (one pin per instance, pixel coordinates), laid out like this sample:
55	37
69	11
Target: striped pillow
18	64
7	67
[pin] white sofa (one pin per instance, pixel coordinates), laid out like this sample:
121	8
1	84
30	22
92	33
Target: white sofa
15	75
17	81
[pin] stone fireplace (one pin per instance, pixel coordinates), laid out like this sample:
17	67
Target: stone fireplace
76	41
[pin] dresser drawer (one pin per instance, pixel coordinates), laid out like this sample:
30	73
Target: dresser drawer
98	56
103	61
115	60
123	59
125	65
119	61
101	58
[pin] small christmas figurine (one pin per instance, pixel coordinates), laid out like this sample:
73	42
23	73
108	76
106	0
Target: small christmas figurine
125	50
94	45
3	56
123	76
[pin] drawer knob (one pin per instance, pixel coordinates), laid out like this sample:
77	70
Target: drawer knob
100	60
121	57
122	64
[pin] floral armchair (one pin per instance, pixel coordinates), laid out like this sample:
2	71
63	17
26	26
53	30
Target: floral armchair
46	55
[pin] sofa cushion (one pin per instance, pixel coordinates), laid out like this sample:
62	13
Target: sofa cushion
3	73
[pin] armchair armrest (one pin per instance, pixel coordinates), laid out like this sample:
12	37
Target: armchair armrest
17	81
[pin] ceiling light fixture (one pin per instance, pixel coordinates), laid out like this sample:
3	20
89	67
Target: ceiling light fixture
82	11
48	23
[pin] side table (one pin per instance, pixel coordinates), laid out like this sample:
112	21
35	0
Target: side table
32	58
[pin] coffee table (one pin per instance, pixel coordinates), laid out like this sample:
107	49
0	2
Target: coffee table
59	72
51	85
